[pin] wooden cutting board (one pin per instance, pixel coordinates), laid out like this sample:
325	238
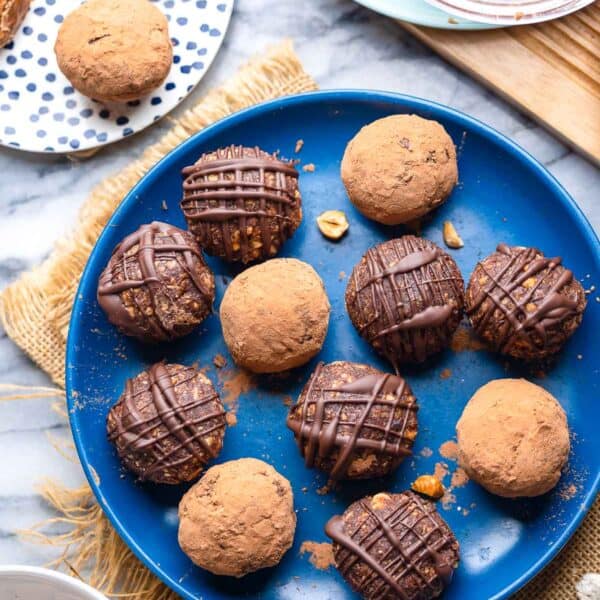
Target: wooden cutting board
550	70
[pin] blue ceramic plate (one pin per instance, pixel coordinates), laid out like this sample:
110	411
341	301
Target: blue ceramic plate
503	195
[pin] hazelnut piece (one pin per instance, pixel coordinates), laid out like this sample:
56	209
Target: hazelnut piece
333	224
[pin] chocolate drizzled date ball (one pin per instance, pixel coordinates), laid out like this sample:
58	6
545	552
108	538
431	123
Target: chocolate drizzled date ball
405	297
241	203
168	423
394	546
524	304
156	286
353	421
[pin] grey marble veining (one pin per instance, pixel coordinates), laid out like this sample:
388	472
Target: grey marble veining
341	45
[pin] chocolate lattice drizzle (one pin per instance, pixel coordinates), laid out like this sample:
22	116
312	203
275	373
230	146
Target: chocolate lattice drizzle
374	414
406	298
408	550
156	286
522	300
168	423
241	203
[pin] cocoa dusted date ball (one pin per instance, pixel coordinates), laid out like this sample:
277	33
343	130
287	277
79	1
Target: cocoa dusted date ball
399	168
353	421
405	297
394	546
238	518
156	286
275	315
513	438
523	304
167	424
241	203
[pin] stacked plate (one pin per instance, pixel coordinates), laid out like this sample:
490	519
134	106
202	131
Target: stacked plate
474	14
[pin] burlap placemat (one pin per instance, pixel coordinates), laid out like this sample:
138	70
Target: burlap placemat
35	312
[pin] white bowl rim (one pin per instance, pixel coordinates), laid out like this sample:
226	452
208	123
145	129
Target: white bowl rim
48	574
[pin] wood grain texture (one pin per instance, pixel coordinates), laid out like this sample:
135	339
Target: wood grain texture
551	70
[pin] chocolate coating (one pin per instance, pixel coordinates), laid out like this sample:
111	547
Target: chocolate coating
405	297
241	203
524	304
394	546
354	421
167	424
156	286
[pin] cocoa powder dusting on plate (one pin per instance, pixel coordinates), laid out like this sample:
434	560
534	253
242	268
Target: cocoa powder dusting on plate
448	499
441	471
464	339
321	554
449	450
459	478
235	382
567	491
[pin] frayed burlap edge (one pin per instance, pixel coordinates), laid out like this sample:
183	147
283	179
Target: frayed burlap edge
35	310
91	548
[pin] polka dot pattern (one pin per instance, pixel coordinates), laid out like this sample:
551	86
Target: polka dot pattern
41	112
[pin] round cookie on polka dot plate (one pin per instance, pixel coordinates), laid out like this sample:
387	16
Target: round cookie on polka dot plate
47	104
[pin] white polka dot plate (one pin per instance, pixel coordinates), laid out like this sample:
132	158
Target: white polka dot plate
41	112
509	12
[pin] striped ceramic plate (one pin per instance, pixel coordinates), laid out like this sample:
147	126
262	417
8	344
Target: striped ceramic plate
510	12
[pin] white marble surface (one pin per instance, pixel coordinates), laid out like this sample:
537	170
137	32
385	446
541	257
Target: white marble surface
341	45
